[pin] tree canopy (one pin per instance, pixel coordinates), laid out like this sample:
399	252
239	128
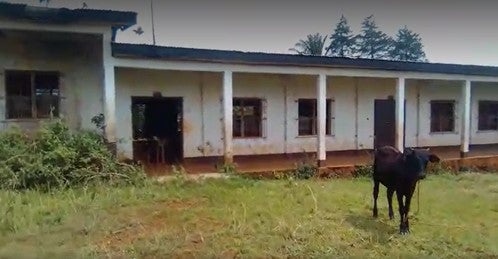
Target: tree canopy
408	46
372	42
313	45
342	40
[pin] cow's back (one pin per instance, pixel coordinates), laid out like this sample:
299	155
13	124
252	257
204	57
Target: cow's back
386	164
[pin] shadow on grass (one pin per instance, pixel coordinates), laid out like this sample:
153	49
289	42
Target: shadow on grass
378	229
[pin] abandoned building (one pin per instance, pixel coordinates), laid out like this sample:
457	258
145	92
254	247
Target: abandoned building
194	106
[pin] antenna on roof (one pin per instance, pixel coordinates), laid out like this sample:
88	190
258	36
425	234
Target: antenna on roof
152	20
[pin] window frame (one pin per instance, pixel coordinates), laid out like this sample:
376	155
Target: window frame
329	116
33	98
454	114
261	103
479	129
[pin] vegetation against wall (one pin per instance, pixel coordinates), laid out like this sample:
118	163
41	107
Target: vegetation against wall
54	157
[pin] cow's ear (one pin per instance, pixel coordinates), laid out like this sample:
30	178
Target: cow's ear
433	158
408	150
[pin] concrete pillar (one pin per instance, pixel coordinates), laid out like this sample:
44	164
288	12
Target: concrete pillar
227	101
465	111
109	94
400	113
321	92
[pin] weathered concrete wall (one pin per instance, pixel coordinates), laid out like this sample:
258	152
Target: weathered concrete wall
482	92
131	82
77	58
352	110
438	90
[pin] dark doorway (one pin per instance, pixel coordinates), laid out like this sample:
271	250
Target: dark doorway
385	123
157	129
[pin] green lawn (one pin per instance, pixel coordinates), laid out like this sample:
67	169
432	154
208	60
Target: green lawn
319	218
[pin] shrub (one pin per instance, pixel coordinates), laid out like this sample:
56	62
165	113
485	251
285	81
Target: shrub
305	170
363	171
55	157
439	169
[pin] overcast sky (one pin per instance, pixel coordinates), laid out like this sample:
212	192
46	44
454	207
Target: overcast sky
455	31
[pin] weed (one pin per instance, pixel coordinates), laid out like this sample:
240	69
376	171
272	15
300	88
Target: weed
363	171
306	168
228	168
179	173
439	169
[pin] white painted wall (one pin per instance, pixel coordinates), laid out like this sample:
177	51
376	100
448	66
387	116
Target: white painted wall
79	60
202	104
482	92
438	90
131	82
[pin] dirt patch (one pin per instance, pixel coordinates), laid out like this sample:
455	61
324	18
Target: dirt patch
148	221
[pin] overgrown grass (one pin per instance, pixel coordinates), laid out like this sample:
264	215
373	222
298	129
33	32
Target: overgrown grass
458	217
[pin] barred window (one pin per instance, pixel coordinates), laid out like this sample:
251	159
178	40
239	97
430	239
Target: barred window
308	117
247	117
442	116
488	115
32	95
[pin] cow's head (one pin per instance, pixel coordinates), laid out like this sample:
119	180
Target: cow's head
416	161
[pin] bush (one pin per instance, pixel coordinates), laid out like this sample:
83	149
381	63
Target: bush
363	171
305	170
55	157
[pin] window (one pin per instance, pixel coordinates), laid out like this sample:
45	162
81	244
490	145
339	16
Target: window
32	95
308	117
442	116
247	117
488	115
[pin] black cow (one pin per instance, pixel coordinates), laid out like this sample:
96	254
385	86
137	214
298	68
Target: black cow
399	172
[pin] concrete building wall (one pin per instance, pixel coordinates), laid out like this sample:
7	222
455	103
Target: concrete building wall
482	92
352	110
439	90
79	60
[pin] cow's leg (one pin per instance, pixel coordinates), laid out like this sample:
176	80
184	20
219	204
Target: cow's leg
401	208
407	210
390	193
375	195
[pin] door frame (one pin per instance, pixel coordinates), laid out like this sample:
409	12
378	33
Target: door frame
179	100
394	111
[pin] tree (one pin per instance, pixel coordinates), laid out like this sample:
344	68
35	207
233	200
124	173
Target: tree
313	45
408	46
342	41
371	42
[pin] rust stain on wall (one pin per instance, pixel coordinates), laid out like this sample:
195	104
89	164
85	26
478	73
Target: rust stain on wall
187	128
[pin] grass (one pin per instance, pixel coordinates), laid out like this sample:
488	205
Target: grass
458	217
